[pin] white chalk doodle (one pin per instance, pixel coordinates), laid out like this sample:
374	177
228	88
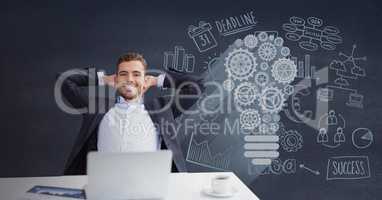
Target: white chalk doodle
362	138
179	60
202	36
315	172
311	34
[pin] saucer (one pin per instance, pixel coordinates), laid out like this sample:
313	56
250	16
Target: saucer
208	191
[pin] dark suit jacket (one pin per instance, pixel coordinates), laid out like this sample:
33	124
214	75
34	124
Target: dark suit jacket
75	90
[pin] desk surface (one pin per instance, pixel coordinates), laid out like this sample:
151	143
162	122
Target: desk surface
185	186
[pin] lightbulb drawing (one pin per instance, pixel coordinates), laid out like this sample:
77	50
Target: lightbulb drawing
259	75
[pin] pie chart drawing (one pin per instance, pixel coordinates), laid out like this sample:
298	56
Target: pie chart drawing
362	138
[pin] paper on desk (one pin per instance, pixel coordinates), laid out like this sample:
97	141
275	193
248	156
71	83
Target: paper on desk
53	193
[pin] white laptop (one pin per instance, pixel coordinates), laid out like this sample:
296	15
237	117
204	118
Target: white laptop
113	176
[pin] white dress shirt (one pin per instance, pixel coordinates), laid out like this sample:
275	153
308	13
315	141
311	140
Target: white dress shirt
127	127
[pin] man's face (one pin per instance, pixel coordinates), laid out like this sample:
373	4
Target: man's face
130	79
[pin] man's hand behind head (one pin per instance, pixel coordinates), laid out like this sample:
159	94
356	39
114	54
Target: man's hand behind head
150	81
109	80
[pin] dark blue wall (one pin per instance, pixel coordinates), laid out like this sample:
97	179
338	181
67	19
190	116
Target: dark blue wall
39	39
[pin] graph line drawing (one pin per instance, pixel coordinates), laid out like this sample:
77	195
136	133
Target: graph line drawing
200	153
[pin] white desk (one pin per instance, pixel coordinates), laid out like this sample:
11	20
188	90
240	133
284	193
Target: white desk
185	186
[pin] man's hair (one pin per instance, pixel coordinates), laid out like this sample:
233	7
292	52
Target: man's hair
130	56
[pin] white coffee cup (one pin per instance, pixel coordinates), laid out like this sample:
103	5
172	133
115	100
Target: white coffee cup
221	184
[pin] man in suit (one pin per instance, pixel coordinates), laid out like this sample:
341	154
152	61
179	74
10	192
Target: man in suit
128	124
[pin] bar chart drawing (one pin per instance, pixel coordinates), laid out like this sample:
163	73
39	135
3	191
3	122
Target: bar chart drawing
179	60
200	153
304	68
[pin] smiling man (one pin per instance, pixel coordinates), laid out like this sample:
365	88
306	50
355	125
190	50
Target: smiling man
128	125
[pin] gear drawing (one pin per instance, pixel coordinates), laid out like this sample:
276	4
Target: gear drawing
273	127
279	41
250	119
266	88
240	64
263	36
262	79
264	66
291	141
267	118
246	93
239	43
267	51
285	51
288	90
272	100
284	70
250	41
